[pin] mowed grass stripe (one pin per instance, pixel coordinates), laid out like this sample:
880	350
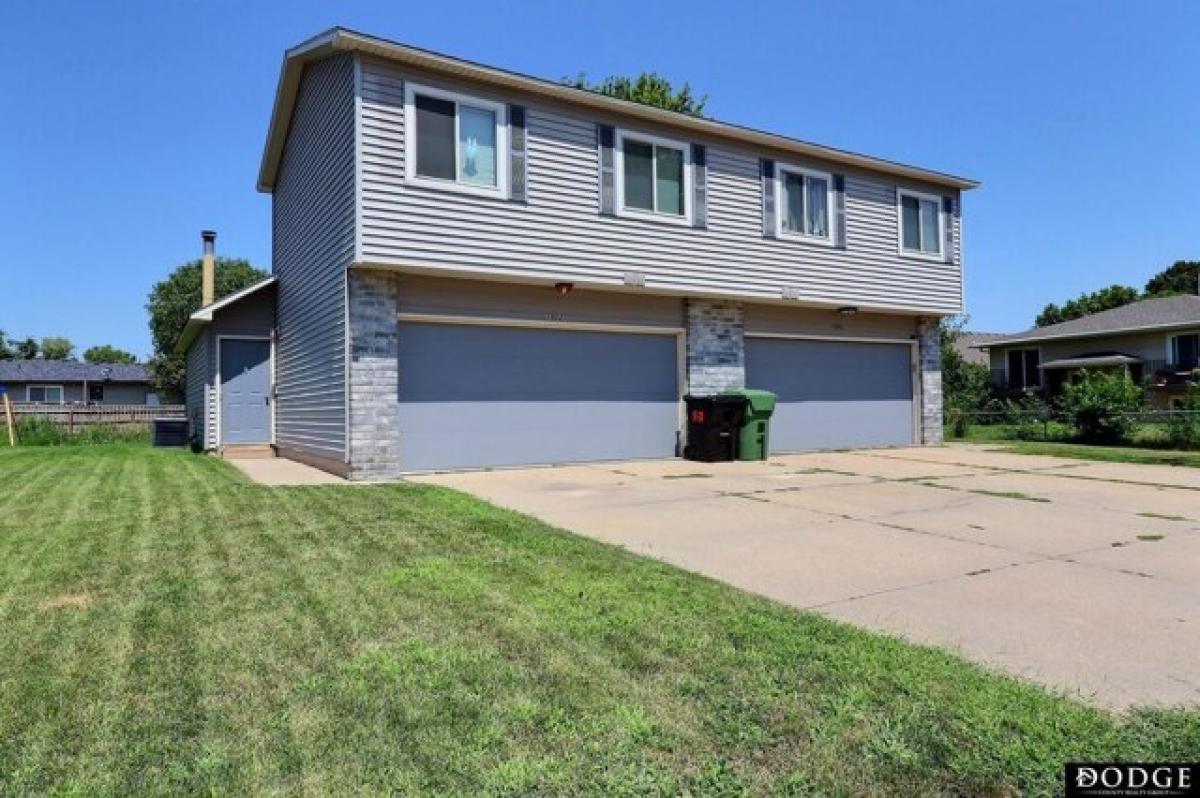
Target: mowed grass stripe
408	639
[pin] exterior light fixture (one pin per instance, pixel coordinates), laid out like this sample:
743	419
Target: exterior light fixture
563	288
847	310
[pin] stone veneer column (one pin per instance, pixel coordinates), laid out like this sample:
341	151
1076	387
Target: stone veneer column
716	351
929	361
374	375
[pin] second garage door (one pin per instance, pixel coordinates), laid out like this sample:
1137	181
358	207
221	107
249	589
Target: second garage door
834	394
473	396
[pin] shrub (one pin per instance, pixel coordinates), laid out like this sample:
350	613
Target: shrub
1183	427
41	431
1099	404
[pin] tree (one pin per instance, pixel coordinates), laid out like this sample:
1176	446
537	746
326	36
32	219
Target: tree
27	349
648	88
106	353
169	305
1100	404
6	349
964	384
1105	299
1181	277
58	348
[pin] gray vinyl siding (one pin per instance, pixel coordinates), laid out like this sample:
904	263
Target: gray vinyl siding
198	391
767	320
483	300
559	234
252	316
313	231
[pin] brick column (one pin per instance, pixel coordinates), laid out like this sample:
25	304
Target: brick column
929	361
716	351
374	375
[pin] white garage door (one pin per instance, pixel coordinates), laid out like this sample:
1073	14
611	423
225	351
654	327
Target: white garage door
834	394
473	396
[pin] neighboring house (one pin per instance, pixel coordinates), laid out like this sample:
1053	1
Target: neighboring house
59	382
968	344
1156	340
472	267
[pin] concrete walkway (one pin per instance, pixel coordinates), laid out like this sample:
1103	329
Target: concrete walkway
278	472
1082	576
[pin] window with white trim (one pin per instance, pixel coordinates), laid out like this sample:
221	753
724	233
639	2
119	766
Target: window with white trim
1185	350
456	141
1023	368
44	394
920	223
805	203
654	175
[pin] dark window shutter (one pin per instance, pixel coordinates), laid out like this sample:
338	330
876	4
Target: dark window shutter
948	212
699	186
517	146
839	210
604	140
766	168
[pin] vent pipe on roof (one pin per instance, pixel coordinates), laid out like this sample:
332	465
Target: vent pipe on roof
208	269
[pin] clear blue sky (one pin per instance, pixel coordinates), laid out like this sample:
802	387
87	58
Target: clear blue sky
129	126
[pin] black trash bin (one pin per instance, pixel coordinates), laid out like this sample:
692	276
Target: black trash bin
713	424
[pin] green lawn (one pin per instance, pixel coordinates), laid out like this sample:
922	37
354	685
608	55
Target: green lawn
169	628
1114	454
1148	446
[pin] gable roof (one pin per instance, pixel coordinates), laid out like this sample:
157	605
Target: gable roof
1148	315
204	315
342	40
70	371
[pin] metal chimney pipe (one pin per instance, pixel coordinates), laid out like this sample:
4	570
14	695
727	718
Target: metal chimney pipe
208	269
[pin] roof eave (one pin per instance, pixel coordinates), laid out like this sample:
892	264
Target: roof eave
204	315
1145	328
340	39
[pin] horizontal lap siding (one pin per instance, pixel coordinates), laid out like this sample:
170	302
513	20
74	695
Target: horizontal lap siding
198	390
560	235
314	244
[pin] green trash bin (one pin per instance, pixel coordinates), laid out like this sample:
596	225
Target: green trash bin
753	438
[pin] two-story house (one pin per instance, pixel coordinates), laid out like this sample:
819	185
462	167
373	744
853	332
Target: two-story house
474	267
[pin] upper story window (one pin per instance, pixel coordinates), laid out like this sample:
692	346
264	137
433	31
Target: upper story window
920	224
805	203
456	141
654	177
1185	350
47	394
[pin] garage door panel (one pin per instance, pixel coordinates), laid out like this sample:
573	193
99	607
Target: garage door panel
834	394
484	396
528	433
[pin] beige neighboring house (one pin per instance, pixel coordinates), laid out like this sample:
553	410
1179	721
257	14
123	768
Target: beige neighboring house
1156	340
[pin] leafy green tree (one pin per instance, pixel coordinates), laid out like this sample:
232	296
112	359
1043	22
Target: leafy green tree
26	349
58	348
964	384
6	348
106	353
1099	403
648	88
170	303
1085	304
1181	277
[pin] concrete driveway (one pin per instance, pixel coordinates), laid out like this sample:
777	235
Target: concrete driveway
1083	576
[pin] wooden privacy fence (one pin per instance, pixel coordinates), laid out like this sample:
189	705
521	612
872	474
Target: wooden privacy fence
76	416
